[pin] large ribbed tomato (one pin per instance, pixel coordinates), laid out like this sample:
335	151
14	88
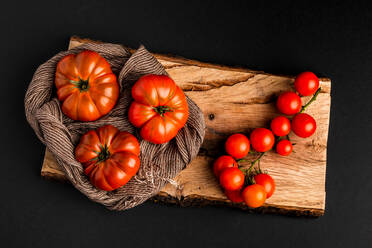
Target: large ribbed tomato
86	86
110	157
159	108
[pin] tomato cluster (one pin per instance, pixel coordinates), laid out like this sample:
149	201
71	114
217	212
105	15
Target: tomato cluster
242	185
289	103
88	90
251	185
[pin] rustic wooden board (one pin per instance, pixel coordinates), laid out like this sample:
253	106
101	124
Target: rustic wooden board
238	100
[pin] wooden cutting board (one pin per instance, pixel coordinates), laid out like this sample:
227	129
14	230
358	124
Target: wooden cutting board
238	100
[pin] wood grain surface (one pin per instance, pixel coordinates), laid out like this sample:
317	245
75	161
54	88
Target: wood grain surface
238	100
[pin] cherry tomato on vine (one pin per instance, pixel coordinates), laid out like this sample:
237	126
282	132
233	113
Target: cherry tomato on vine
303	125
280	126
289	103
267	182
234	195
306	83
254	195
237	145
284	147
262	139
223	162
232	178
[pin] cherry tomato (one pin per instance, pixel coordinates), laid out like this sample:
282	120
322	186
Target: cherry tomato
254	195
267	182
280	126
303	125
262	139
223	162
232	178
306	83
284	147
289	103
237	145
234	195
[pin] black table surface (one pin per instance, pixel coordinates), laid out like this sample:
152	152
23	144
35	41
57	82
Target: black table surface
332	40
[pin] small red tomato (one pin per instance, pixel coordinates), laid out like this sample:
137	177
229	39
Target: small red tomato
284	147
306	83
289	103
223	162
232	178
234	195
267	182
237	145
303	125
280	126
254	195
262	139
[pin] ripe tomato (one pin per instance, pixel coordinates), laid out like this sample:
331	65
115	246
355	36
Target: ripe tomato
306	83
289	103
267	182
86	86
254	195
284	147
109	157
280	126
303	125
222	163
234	195
237	145
232	178
159	108
262	139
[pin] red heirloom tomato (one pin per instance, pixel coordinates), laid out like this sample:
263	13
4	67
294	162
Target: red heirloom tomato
86	86
306	83
232	178
222	163
267	182
280	126
110	157
303	125
284	147
262	139
237	145
289	103
254	195
234	195
159	108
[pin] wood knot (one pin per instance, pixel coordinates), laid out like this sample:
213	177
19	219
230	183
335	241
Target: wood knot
211	116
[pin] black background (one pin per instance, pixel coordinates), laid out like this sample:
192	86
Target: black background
332	40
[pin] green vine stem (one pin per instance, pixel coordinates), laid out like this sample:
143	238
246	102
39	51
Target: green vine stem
311	100
257	160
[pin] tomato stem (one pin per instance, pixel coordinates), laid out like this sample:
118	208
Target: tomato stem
104	154
311	100
82	85
161	110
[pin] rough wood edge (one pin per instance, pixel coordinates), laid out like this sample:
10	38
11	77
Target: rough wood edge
195	200
179	59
